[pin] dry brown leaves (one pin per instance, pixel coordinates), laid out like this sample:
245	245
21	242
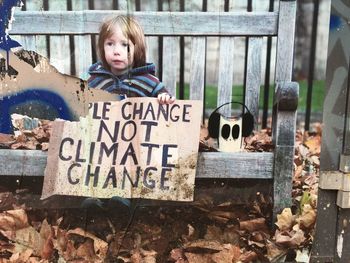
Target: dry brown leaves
27	243
30	134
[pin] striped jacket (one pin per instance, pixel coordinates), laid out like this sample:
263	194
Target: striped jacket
138	82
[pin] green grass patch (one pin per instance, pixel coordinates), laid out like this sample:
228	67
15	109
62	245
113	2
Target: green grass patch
237	95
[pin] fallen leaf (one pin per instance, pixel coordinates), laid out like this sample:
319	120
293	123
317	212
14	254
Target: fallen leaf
253	224
100	246
7	200
86	250
47	235
303	256
248	256
148	256
308	216
221	216
285	220
21	257
273	251
291	239
314	144
6	140
177	254
13	220
228	254
208	246
25	238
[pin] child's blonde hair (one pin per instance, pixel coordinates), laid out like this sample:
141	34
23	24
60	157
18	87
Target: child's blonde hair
131	30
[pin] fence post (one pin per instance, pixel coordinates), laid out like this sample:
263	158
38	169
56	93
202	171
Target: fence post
332	236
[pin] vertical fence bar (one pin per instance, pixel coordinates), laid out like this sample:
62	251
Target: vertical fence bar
138	5
267	75
310	78
182	59
115	5
24	6
204	9
71	43
205	6
46	8
160	47
91	4
249	9
226	5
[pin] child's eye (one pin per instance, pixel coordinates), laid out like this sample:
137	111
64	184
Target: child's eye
109	43
125	44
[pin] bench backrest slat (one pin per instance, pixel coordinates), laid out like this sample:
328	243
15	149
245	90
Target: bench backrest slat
286	29
59	53
170	62
154	23
197	68
253	75
225	74
29	42
83	54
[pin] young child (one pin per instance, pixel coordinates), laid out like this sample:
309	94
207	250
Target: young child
123	69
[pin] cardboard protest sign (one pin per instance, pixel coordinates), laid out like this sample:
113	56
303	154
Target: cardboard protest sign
134	148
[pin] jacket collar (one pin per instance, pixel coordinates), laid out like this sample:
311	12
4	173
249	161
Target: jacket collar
98	68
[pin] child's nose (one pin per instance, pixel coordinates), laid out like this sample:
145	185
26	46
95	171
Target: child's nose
116	50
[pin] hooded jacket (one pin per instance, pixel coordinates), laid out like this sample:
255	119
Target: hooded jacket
138	82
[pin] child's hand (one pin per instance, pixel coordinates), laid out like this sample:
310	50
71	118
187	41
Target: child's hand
165	98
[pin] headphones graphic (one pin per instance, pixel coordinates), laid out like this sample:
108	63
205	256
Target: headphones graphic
214	124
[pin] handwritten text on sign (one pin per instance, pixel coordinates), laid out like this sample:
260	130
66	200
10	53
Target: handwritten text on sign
130	148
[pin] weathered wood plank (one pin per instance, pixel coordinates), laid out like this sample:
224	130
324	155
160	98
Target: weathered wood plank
197	68
28	42
37	43
285	128
210	165
82	45
283	115
22	162
252	91
343	235
235	165
60	54
225	79
152	42
83	55
170	63
330	180
334	180
126	5
154	23
282	180
343	199
285	41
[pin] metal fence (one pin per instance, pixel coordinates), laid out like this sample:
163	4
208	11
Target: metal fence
201	5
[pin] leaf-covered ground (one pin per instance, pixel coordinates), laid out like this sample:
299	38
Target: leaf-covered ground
225	223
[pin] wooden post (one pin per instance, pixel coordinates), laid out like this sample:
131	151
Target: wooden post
283	127
332	236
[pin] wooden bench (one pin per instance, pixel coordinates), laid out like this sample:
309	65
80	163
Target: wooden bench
277	165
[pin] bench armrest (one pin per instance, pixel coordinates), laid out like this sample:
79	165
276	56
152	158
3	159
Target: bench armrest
287	96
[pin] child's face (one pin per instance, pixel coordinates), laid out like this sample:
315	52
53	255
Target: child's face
119	52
